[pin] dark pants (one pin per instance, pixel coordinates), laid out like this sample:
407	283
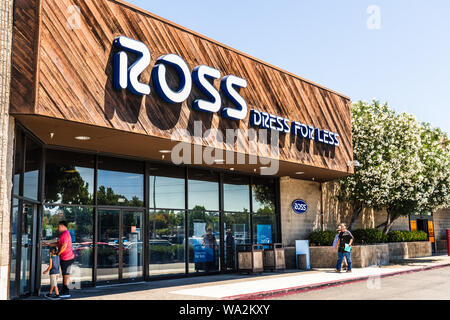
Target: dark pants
348	257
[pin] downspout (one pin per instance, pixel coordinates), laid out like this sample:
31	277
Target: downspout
322	215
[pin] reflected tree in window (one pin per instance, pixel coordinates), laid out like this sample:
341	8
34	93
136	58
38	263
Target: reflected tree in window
106	196
64	184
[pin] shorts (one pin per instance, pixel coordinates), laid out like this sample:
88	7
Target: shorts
66	267
54	280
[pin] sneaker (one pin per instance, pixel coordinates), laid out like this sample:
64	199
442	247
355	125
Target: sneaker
57	297
65	295
337	271
48	296
349	271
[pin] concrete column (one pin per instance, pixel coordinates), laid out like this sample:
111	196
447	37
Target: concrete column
6	142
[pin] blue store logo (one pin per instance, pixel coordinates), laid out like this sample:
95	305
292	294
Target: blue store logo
300	206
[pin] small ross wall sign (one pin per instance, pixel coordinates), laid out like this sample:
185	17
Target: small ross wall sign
299	206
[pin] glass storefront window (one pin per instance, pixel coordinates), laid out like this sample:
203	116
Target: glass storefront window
167	187
69	178
120	182
33	154
108	245
263	194
236	193
80	220
13	260
18	161
132	245
203	190
167	242
237	231
204	241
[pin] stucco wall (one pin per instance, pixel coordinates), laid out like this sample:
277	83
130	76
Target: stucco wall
441	223
298	227
6	138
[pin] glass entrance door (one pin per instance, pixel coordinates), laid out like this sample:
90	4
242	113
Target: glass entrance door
119	245
26	248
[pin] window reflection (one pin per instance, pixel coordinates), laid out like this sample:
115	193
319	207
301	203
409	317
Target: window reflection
204	241
13	260
80	222
263	194
167	242
132	245
236	193
18	161
237	232
203	190
33	153
108	245
121	182
69	178
167	187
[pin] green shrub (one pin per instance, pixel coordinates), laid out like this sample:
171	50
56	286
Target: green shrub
407	236
368	236
322	238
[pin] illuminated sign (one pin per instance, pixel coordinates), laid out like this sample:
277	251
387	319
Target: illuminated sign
128	77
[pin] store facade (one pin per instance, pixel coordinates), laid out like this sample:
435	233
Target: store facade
163	149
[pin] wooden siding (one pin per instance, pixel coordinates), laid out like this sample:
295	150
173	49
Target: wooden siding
74	79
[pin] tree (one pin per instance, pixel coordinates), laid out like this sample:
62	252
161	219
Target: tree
387	146
434	187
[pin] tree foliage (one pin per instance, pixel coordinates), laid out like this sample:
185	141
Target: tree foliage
404	165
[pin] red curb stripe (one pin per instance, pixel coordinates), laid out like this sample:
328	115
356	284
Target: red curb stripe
322	285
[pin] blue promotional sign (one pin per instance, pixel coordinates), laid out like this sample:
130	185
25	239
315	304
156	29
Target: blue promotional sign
203	254
299	206
263	233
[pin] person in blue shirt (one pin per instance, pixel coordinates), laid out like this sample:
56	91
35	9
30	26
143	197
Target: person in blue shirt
54	270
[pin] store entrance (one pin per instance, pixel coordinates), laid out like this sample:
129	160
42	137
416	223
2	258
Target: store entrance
422	225
120	245
24	255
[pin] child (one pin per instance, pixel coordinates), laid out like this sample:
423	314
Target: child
53	268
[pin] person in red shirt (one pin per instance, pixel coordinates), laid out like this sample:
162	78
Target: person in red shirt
66	256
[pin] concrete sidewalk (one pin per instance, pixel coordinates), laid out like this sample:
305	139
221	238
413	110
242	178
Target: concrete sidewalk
234	287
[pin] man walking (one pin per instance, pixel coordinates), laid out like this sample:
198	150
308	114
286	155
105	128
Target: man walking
344	245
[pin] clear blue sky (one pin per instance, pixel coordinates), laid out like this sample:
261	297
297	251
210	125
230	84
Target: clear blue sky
406	62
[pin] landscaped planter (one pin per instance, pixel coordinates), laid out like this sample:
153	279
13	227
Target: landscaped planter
407	250
362	256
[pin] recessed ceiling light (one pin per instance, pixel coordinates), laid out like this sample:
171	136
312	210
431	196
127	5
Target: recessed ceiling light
165	151
232	169
299	173
219	161
83	138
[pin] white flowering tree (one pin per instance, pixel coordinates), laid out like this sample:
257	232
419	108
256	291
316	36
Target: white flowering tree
434	186
395	169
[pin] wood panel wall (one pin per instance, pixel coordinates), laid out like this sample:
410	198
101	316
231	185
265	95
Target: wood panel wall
74	79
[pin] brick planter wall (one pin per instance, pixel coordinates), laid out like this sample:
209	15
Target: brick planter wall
407	250
365	256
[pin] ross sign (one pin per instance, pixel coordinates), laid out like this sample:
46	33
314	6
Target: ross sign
299	206
127	76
